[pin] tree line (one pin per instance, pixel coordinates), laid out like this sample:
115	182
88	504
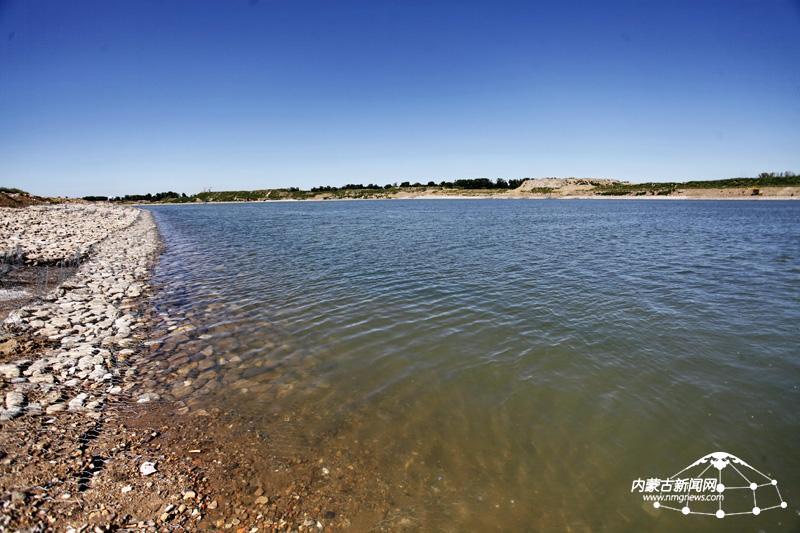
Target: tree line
787	178
474	183
157	197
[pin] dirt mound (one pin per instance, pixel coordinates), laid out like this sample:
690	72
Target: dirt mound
560	184
20	199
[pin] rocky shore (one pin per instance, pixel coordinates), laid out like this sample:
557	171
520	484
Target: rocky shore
86	324
67	358
97	431
63	233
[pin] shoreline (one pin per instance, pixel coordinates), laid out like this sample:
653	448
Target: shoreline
69	355
491	197
97	430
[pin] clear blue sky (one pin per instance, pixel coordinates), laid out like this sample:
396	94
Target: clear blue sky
114	97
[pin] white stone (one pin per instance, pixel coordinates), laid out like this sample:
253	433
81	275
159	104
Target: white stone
147	468
14	400
9	371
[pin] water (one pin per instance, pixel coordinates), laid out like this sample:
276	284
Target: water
511	365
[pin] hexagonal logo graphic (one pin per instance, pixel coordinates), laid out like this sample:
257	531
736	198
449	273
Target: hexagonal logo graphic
718	484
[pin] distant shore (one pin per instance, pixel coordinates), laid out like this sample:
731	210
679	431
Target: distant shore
765	187
742	197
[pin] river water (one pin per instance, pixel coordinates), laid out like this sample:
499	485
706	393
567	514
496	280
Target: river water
510	364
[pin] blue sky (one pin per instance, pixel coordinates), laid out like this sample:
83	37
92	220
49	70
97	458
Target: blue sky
114	97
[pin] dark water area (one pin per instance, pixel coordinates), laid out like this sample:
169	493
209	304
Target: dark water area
511	365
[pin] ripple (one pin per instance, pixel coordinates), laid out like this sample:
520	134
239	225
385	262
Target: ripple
495	351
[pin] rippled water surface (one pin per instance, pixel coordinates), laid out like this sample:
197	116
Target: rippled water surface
511	365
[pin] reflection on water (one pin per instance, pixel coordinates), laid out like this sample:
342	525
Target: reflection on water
511	364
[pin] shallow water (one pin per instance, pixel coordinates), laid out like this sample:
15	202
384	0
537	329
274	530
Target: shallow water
511	365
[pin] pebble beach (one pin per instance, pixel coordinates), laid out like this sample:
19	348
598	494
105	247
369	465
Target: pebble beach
88	322
91	439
